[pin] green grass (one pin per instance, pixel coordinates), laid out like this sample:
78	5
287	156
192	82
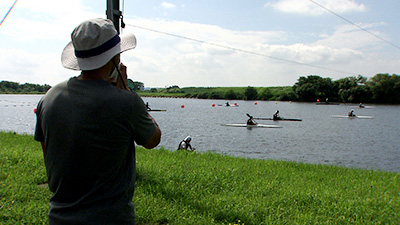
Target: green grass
192	188
21	170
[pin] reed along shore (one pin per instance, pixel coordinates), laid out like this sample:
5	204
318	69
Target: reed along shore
179	187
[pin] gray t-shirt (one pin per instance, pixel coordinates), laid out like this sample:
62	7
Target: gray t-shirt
89	129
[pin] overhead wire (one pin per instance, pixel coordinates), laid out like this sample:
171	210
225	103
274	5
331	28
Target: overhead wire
8	12
341	17
237	49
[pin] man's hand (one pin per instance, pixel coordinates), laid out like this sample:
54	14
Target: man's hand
120	83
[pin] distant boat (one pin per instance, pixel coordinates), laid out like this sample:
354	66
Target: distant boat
353	117
156	110
280	118
251	126
327	103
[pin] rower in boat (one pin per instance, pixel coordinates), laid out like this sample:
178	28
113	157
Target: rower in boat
251	121
351	113
276	115
147	106
361	105
185	144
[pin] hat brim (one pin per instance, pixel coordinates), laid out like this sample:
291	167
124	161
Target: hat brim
70	61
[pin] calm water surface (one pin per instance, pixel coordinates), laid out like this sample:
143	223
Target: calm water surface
319	138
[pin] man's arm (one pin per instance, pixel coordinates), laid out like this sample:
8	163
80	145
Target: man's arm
155	138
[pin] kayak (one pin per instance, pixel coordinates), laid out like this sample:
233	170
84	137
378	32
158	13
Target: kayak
228	105
353	117
156	110
327	103
251	126
281	118
369	107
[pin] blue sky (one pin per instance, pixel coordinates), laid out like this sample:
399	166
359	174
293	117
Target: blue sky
239	43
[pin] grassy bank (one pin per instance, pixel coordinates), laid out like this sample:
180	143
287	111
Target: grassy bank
192	188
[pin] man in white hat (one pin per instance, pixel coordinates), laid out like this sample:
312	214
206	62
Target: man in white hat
88	126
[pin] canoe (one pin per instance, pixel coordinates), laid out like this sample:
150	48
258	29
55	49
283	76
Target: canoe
251	126
283	119
353	117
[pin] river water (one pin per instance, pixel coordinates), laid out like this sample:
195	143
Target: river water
319	138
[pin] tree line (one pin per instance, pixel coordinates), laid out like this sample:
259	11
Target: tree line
382	88
8	87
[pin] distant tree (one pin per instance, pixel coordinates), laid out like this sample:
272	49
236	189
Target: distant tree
250	93
385	88
231	94
314	87
173	87
265	94
290	96
216	95
203	95
353	89
27	88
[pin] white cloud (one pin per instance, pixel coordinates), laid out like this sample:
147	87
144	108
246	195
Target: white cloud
162	59
31	47
21	66
349	36
46	19
307	7
168	5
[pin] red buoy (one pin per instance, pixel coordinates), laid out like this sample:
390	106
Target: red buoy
34	110
182	106
213	105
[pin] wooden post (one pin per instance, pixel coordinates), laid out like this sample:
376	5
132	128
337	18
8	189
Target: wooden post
113	13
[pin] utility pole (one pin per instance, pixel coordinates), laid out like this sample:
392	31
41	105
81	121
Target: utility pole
113	13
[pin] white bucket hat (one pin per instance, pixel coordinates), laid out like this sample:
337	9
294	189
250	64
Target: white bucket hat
94	43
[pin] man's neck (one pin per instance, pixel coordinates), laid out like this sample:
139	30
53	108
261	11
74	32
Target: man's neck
97	74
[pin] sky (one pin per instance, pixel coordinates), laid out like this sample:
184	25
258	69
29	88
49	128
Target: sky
211	43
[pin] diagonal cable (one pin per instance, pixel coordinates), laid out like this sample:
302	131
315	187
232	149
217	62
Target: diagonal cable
8	12
341	17
238	50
